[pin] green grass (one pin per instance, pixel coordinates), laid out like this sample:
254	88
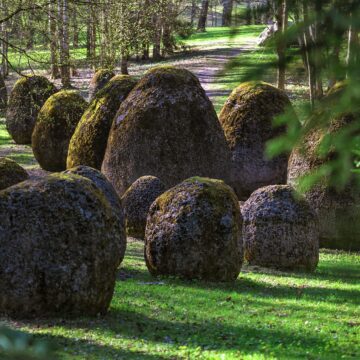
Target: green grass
263	315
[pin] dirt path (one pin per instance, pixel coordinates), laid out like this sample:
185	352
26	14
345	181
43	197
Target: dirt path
206	63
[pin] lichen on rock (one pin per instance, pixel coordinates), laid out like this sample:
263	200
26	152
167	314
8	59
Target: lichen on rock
55	125
280	230
193	230
166	127
247	119
26	99
11	173
88	144
61	244
99	81
338	209
137	201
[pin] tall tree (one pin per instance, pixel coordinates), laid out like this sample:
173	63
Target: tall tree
227	12
203	15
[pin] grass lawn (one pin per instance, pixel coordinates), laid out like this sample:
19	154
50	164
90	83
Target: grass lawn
263	315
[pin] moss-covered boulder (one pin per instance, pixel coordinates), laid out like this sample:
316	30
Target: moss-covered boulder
99	81
61	244
280	230
137	201
3	94
166	127
247	119
11	173
54	128
26	99
88	144
338	210
194	231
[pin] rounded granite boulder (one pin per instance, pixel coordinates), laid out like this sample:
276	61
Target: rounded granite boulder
99	81
54	128
61	244
137	201
247	119
11	173
88	144
167	127
26	99
280	230
194	231
338	209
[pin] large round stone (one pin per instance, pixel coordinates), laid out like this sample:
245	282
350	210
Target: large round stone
247	119
61	244
99	81
11	173
26	99
88	144
54	128
137	201
338	209
167	127
194	231
280	230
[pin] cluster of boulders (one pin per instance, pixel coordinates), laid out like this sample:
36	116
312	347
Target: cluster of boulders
172	174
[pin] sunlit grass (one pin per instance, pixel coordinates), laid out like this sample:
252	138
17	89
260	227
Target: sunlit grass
263	315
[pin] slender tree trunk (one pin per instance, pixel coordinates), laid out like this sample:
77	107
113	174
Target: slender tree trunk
157	38
64	43
203	16
282	19
53	42
124	64
4	45
75	27
227	12
193	12
353	50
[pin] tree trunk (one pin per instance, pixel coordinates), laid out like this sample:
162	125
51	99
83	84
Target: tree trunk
227	12
157	38
75	27
353	51
193	12
4	45
53	42
124	64
282	19
91	33
203	16
64	43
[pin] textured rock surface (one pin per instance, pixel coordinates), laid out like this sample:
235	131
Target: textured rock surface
194	231
137	201
60	246
99	81
280	230
338	210
54	128
247	119
167	127
26	99
88	144
11	173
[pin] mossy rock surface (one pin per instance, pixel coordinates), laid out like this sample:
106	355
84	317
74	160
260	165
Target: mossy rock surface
194	231
99	81
280	230
338	210
61	244
11	173
88	144
26	99
54	128
247	119
167	127
137	201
